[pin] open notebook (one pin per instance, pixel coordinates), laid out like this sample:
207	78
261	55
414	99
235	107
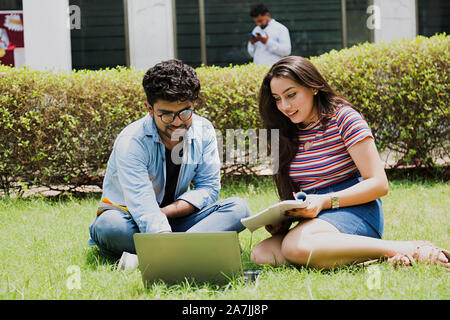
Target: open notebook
275	213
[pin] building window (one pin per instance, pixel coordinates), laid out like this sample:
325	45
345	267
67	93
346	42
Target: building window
315	27
356	17
188	32
98	41
433	17
11	5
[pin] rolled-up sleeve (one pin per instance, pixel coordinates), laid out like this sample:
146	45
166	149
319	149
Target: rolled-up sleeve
136	186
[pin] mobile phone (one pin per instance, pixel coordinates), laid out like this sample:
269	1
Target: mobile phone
251	34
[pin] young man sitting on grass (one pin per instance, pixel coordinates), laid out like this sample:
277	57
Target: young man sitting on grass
154	161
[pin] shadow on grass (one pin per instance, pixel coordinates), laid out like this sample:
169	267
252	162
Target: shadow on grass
63	197
191	286
94	259
183	289
70	196
420	174
351	268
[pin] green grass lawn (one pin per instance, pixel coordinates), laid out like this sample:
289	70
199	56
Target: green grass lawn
44	252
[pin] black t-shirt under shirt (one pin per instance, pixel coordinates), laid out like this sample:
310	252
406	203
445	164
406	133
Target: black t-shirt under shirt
172	172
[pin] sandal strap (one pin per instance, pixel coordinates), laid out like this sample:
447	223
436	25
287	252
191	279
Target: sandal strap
429	254
398	260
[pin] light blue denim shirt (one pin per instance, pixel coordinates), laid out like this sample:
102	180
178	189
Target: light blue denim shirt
136	172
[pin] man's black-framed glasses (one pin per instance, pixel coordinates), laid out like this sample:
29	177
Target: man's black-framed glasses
169	117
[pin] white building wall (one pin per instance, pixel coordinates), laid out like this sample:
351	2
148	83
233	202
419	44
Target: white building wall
398	20
47	35
150	32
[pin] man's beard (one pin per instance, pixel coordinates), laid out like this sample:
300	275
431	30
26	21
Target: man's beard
176	134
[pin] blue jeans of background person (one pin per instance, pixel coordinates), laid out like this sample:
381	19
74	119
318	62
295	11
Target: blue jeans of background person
112	231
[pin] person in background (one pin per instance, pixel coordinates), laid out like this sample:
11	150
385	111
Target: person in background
269	41
328	151
152	165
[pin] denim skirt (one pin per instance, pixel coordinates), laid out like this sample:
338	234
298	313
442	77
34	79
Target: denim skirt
364	219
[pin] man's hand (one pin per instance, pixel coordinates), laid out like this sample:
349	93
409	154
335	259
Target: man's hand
280	228
259	37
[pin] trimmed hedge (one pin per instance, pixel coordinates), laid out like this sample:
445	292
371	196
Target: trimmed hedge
58	129
403	90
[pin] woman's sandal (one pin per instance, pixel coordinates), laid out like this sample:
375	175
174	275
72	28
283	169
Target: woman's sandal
429	254
425	252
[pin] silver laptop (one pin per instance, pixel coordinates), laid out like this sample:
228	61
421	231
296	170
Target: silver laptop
212	257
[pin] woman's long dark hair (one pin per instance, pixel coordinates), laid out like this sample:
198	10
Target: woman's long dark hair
326	101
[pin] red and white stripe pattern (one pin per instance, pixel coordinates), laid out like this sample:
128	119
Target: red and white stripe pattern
322	158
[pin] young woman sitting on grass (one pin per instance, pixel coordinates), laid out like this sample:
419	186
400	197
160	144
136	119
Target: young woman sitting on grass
327	150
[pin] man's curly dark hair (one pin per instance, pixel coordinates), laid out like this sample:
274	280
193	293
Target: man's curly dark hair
171	80
258	9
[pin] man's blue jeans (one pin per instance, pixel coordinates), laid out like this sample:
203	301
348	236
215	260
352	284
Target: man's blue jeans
112	231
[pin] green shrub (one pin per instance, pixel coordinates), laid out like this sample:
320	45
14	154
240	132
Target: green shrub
403	90
58	129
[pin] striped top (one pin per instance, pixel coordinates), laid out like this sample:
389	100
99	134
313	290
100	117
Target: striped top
322	158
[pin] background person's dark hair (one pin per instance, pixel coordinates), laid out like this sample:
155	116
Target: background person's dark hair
258	9
171	80
326	100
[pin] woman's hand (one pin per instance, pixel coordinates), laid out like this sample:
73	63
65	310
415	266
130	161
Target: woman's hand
282	227
317	202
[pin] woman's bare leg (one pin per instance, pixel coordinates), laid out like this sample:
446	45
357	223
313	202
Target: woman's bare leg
319	244
268	251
